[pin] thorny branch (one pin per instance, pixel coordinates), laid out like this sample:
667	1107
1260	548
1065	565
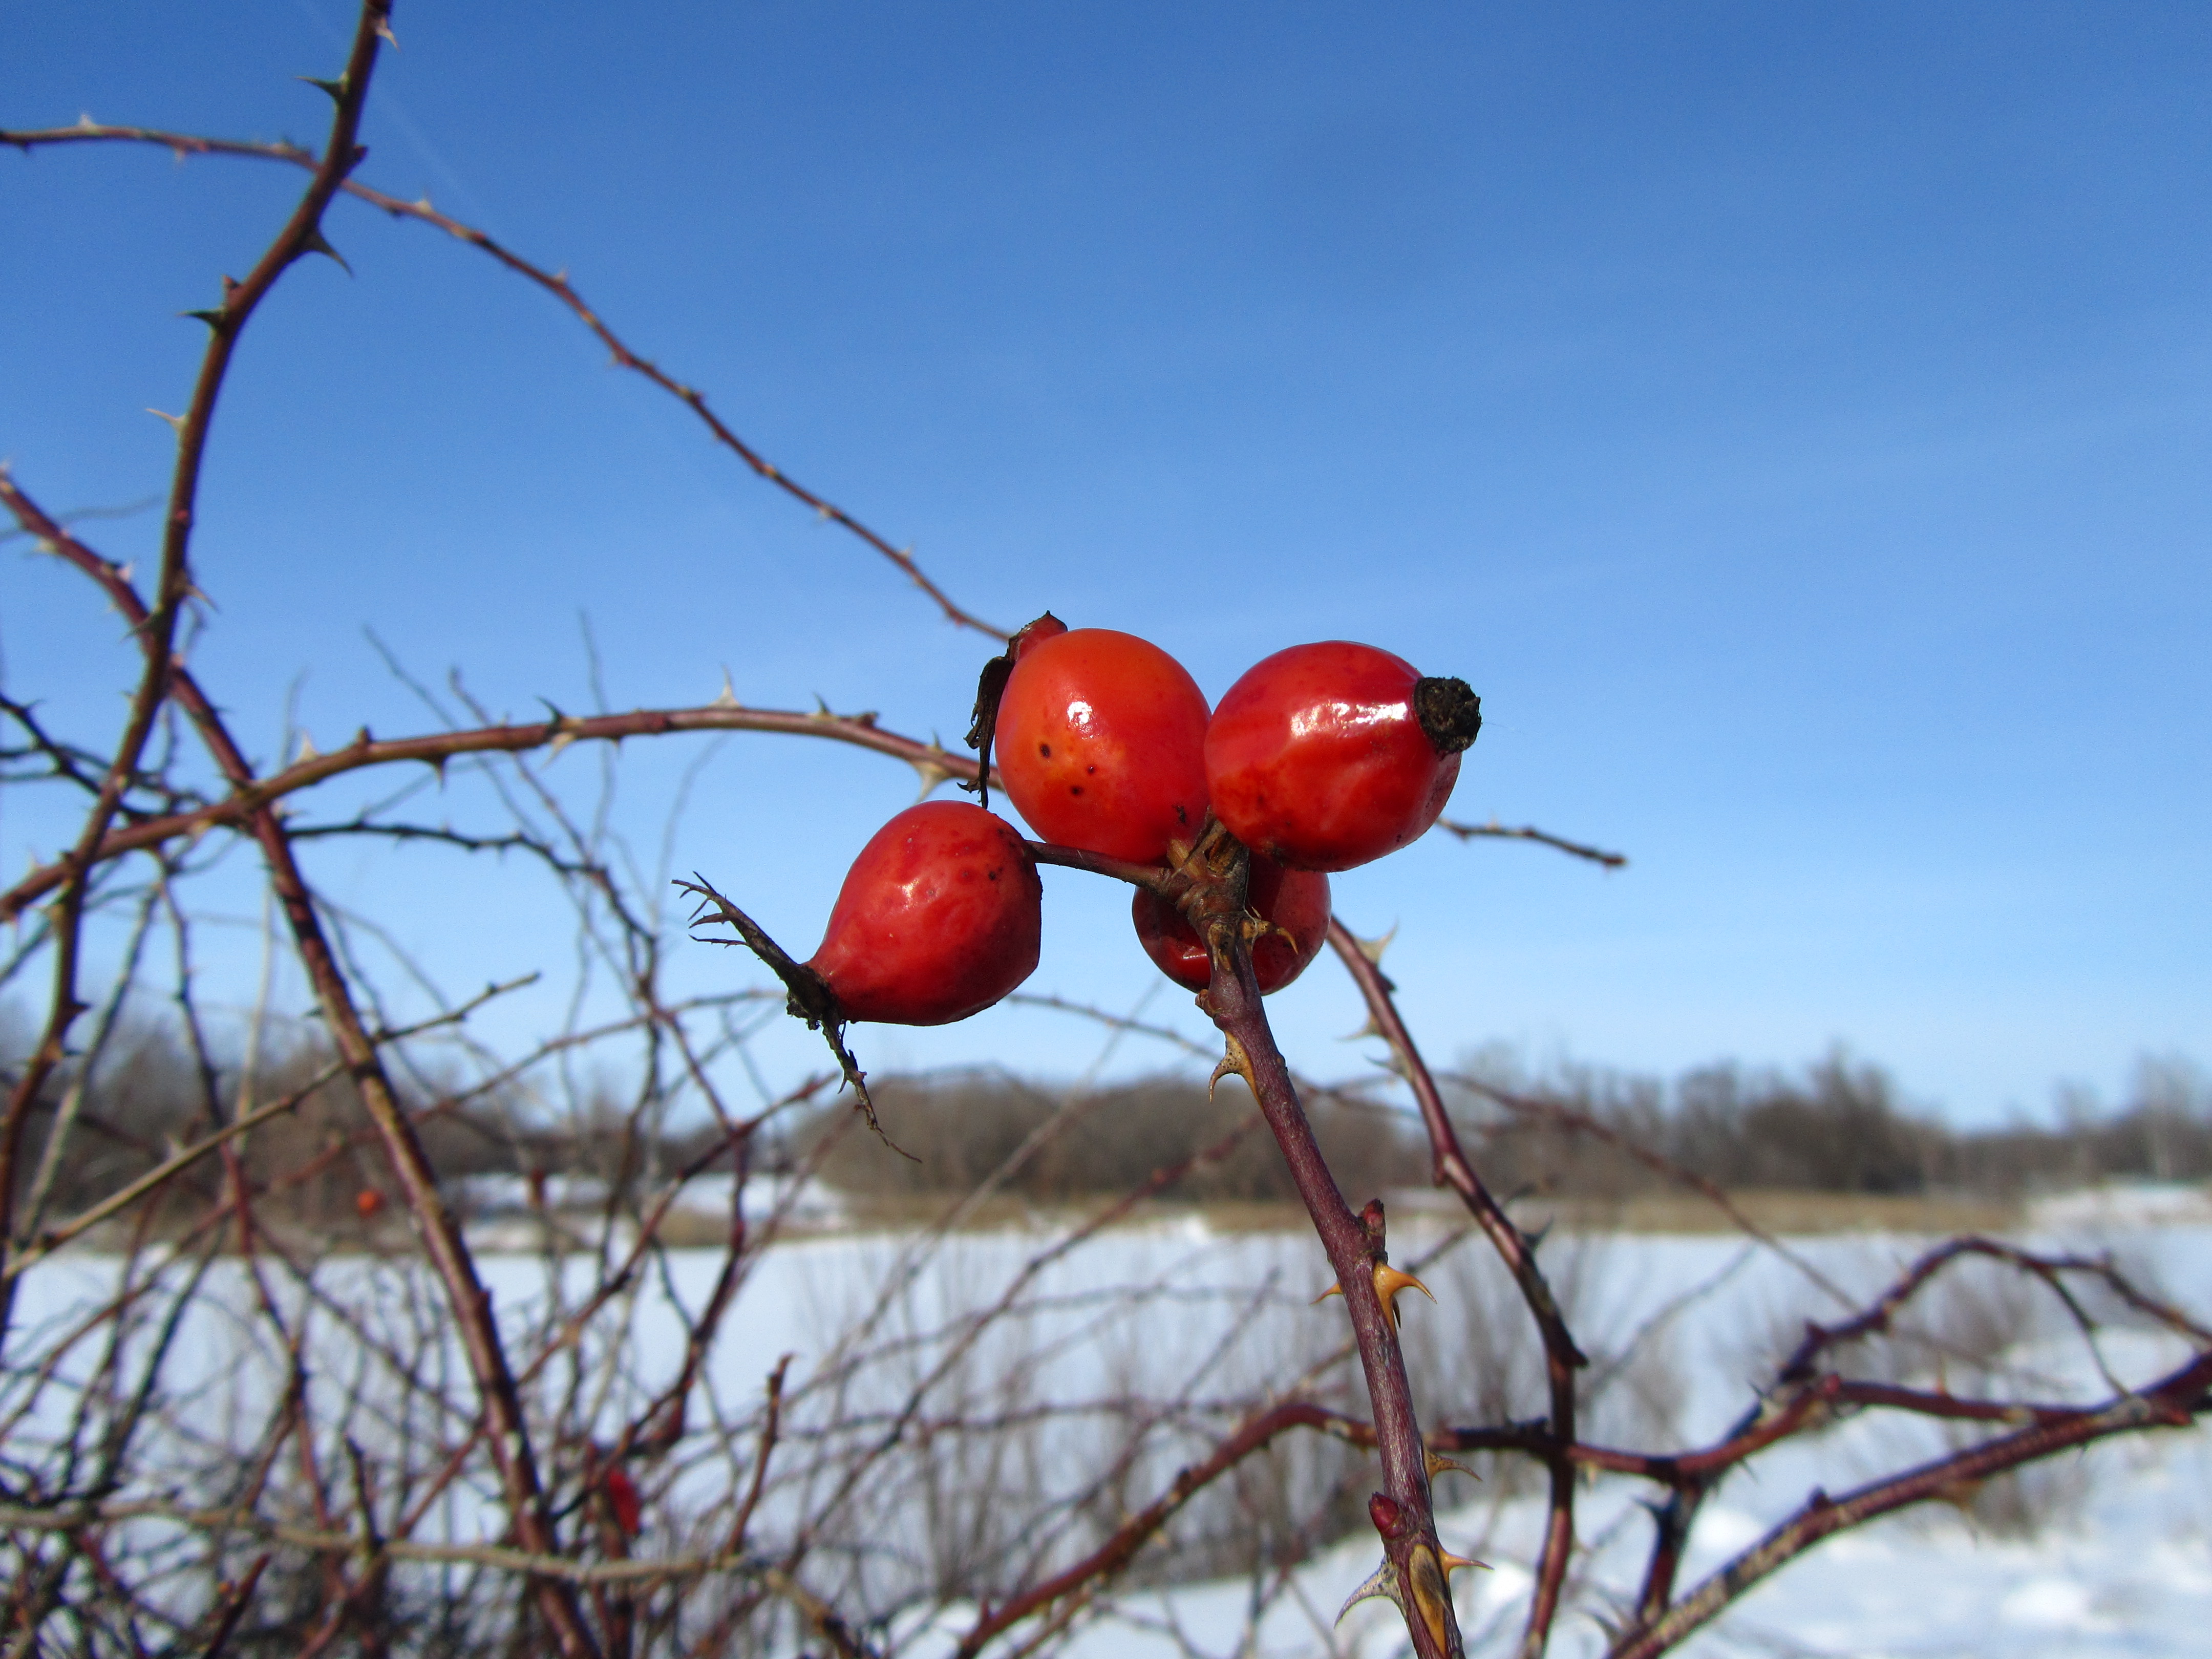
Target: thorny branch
555	284
304	1533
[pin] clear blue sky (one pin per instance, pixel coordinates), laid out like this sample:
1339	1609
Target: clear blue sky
1792	420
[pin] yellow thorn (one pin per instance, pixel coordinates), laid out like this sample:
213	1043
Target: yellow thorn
1439	1464
1430	1597
1382	1583
932	774
307	749
1372	949
1453	1563
1234	1061
1388	1281
176	421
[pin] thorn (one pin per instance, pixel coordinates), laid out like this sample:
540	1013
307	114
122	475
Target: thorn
336	89
564	730
1233	1060
176	421
212	319
318	243
1388	1281
84	119
932	774
1370	1030
424	203
1432	1596
384	33
1382	1583
1372	949
1439	1464
1453	1563
727	697
307	749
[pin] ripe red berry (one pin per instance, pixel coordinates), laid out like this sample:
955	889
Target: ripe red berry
622	1499
1325	757
367	1203
1295	901
939	917
1101	739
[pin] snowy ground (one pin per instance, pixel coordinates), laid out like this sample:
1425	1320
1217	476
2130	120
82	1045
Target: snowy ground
2105	1552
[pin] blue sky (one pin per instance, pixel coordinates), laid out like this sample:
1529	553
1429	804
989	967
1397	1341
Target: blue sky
1792	421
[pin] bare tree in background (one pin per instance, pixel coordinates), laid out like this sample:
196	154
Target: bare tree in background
380	1457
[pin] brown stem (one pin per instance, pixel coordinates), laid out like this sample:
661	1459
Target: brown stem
1451	1167
1232	1000
434	1222
1121	1545
435	749
2172	1402
1542	838
156	630
555	284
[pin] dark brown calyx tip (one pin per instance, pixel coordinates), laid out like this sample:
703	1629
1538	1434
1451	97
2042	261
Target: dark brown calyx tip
1449	711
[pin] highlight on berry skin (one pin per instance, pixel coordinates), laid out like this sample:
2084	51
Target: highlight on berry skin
940	916
1329	755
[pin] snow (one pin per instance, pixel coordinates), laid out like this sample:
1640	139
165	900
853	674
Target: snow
2122	1204
2117	1560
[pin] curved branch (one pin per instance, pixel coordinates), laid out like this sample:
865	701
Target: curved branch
2173	1402
1494	830
554	283
1562	1359
1403	1511
934	762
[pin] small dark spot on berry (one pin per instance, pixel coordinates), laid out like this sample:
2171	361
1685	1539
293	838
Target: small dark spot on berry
1074	788
1182	817
992	875
1090	769
1045	749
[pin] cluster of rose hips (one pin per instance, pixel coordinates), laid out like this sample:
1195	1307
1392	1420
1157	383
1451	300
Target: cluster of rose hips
1321	758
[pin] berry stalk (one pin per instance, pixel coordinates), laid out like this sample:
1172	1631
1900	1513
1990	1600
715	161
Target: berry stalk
1414	1574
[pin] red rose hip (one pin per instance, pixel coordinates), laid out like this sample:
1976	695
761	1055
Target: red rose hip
1101	738
939	917
1295	901
1329	756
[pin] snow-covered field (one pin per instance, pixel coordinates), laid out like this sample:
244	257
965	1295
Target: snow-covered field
2104	1552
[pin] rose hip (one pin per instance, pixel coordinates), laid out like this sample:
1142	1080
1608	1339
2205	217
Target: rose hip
1101	740
1327	756
939	917
1294	901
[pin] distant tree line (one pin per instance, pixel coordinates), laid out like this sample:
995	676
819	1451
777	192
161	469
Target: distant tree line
1836	1125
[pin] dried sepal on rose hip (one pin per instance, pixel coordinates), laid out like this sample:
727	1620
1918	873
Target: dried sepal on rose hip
1329	756
1100	740
1292	906
940	916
